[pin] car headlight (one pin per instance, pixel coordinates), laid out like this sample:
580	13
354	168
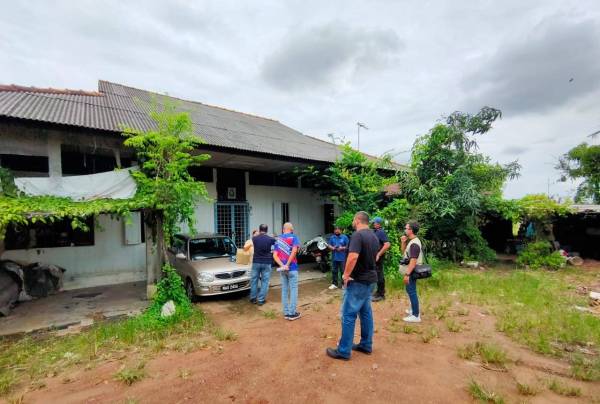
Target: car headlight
205	277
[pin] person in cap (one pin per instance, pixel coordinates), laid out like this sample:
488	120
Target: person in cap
384	245
338	244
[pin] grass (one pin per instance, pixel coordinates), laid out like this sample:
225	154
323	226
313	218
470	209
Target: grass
270	314
488	353
526	389
563	389
481	393
453	325
222	334
585	369
429	335
534	308
31	358
132	375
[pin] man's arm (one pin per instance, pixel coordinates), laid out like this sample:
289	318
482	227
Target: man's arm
386	246
350	264
248	246
277	260
292	256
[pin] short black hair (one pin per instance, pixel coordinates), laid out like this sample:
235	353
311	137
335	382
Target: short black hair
263	228
414	226
362	217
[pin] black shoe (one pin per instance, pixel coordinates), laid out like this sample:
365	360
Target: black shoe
377	298
359	348
294	316
253	301
333	353
261	303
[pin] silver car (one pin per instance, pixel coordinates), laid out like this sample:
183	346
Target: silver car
206	263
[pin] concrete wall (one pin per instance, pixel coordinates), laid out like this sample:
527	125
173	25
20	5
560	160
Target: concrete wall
109	261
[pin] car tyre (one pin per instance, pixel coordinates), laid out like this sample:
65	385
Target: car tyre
189	290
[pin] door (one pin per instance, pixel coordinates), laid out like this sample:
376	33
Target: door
231	219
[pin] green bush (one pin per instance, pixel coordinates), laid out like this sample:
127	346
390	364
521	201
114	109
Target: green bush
170	287
540	255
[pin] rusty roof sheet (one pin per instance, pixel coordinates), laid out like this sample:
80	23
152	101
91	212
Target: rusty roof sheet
115	106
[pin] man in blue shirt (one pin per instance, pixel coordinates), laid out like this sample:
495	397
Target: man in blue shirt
284	253
384	245
338	244
261	265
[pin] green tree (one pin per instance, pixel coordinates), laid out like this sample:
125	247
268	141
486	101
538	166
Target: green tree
166	154
450	182
583	162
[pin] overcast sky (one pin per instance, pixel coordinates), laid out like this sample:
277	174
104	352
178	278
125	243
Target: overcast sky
319	67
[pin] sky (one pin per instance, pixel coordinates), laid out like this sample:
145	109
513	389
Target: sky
321	67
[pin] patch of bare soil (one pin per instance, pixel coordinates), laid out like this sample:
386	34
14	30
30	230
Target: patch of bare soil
277	361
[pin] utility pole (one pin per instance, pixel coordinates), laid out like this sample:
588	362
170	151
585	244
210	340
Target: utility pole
358	126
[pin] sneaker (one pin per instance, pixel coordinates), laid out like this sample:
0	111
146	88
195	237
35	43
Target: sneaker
333	353
294	316
359	348
377	298
332	287
412	319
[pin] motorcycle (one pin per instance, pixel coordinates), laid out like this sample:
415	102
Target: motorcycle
317	248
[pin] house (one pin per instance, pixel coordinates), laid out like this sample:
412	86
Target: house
55	133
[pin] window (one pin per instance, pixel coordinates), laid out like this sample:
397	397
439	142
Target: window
285	213
213	247
31	164
283	179
89	161
201	173
42	235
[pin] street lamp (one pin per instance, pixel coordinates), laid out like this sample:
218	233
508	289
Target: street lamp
358	126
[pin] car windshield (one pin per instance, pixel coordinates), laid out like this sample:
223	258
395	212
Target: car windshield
211	247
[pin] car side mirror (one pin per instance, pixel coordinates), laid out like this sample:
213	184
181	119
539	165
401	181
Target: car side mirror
180	256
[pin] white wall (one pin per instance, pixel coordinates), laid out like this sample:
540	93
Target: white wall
109	261
306	209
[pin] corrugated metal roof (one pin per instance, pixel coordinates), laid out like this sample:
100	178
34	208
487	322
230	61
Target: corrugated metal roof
117	106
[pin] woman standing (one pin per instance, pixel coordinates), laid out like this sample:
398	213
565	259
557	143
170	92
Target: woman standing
413	255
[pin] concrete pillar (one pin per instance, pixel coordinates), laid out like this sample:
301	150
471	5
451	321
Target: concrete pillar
54	157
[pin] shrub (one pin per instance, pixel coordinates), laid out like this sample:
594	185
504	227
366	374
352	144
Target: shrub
540	255
170	287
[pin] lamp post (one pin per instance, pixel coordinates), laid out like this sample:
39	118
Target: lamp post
358	126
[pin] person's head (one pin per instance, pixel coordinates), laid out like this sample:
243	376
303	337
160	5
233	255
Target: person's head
263	228
254	232
377	222
337	230
288	228
411	229
361	220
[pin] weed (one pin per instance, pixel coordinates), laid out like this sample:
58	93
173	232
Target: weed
317	307
488	353
441	311
430	335
409	329
563	389
7	380
270	314
484	395
585	369
184	373
396	318
462	311
526	389
131	400
131	375
224	335
453	326
467	352
16	400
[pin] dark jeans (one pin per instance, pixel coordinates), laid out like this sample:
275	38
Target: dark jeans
337	270
356	302
411	290
380	278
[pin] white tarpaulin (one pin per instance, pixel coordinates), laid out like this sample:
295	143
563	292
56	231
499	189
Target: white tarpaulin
109	185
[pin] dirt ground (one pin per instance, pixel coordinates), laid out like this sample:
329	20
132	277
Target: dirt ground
277	361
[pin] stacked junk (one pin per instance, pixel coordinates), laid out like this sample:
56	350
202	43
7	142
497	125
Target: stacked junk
20	283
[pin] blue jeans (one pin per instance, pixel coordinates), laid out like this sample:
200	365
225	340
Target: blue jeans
356	302
337	270
262	272
289	292
411	290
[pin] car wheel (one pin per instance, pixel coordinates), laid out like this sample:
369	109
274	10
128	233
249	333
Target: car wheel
189	290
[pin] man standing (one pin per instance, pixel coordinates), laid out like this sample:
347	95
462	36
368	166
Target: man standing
413	253
359	276
261	265
384	245
286	248
338	244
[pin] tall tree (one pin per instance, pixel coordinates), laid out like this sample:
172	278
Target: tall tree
583	162
450	181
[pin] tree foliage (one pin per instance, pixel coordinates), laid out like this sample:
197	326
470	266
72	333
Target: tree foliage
451	181
583	162
166	154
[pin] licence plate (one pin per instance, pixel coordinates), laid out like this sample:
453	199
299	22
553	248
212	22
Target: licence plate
230	287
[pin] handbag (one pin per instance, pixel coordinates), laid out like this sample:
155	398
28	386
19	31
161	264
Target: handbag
421	272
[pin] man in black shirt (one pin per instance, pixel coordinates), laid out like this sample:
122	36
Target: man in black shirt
359	276
261	265
384	245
